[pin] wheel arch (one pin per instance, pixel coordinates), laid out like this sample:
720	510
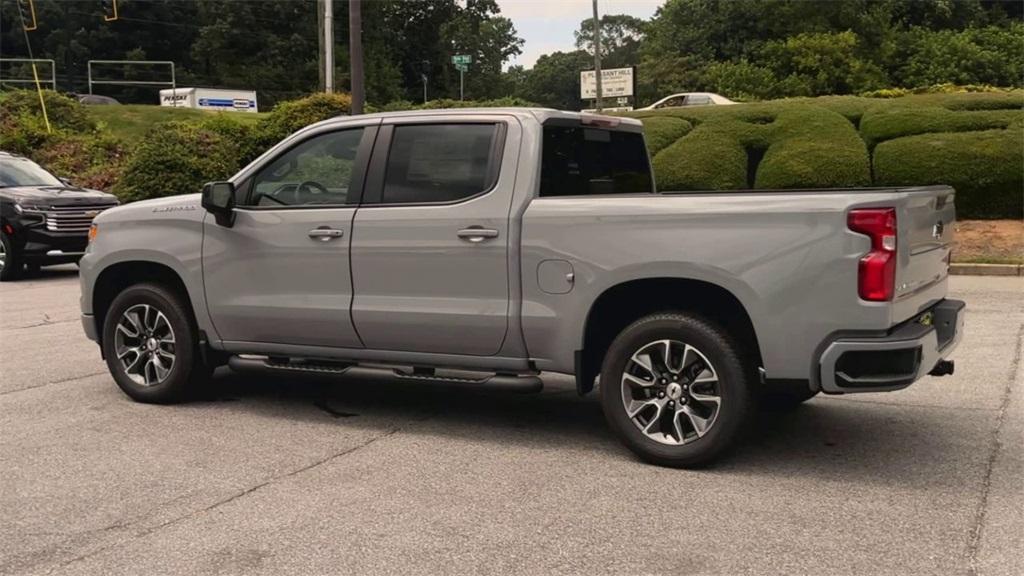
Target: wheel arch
115	278
621	304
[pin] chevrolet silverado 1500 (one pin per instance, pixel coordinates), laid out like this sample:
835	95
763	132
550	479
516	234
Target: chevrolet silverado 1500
482	247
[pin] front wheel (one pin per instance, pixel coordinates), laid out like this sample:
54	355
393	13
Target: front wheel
674	390
151	345
10	260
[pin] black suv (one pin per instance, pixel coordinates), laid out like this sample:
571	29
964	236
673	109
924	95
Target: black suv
43	219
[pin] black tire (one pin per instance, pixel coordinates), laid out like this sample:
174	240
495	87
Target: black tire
187	372
12	267
784	396
721	351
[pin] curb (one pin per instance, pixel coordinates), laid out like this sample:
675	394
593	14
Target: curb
965	269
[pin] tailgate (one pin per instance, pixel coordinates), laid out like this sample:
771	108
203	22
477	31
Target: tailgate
924	238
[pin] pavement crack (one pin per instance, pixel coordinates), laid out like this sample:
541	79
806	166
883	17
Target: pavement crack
974	539
46	322
229	499
72	379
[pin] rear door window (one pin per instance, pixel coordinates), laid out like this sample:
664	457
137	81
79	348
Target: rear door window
583	161
440	163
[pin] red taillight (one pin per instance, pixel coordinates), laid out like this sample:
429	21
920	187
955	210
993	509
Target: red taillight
876	280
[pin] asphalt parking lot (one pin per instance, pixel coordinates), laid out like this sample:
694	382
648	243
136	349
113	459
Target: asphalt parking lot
275	475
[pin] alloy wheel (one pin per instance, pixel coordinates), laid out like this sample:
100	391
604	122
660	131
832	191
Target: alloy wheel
144	344
671	392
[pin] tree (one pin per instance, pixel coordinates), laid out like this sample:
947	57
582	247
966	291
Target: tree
478	31
555	79
621	35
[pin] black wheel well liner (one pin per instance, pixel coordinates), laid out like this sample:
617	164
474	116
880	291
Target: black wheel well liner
622	304
115	278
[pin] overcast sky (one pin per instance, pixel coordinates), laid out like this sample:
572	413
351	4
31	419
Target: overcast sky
547	25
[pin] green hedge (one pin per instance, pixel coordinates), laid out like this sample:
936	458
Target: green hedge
971	141
177	158
881	124
780	145
985	168
662	131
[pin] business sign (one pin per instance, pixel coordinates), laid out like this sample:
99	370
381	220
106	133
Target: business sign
615	83
462	59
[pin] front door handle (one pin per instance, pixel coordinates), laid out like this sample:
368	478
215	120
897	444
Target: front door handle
477	234
325	234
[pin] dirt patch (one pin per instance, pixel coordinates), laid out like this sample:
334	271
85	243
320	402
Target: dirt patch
989	241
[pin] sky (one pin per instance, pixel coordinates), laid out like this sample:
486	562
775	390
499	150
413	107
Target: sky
548	25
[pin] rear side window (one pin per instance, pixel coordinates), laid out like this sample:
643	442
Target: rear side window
436	163
582	161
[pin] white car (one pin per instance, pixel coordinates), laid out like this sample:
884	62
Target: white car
690	99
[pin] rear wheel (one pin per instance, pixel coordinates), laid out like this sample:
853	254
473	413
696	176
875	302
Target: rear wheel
10	260
674	389
151	345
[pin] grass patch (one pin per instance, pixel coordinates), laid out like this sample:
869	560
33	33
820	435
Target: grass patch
130	122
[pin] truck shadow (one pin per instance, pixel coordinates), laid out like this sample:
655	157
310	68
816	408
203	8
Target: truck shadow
827	438
50	273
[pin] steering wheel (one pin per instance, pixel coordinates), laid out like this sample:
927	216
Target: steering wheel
314	187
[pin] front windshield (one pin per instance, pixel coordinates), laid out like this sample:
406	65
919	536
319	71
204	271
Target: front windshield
24	172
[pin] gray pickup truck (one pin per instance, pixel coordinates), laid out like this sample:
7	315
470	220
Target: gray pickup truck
483	247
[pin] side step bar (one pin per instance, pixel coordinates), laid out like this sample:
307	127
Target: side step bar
509	382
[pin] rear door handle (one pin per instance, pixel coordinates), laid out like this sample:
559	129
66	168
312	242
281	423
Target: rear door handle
477	234
325	234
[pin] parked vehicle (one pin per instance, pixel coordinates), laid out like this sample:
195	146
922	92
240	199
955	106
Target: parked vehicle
506	242
690	99
44	220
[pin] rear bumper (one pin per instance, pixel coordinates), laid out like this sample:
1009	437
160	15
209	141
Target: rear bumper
895	360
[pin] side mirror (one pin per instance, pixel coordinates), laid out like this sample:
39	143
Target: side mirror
65	181
219	200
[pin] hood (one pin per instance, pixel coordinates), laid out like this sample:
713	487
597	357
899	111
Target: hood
56	195
186	206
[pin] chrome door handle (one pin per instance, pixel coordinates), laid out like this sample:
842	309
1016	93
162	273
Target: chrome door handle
476	234
325	234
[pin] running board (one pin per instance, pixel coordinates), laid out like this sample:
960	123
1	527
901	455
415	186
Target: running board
509	382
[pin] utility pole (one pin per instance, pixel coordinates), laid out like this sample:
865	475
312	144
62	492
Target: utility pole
355	39
329	46
597	56
423	74
320	44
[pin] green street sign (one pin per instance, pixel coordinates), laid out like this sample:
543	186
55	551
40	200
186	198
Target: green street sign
462	59
462	67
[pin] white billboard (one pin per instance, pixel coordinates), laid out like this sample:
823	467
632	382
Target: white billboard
615	83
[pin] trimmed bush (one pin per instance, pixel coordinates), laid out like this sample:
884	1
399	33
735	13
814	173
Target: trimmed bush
291	116
91	160
660	131
815	143
177	158
984	167
706	159
813	148
881	124
784	144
